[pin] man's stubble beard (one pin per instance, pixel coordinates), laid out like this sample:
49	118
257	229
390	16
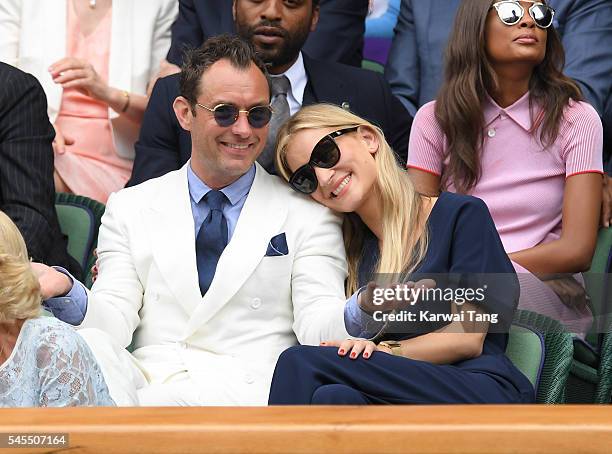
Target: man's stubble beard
275	57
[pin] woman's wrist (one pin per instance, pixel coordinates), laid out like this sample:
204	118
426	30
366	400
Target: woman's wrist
118	100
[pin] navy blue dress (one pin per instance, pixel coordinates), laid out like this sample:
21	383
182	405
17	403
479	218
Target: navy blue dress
463	241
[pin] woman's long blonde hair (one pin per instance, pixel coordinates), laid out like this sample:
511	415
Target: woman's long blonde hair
404	240
19	289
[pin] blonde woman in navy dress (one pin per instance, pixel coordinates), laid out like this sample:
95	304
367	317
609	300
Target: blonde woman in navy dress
344	163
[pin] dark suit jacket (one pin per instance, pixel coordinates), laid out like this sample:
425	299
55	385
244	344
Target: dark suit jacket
164	146
26	167
415	65
338	37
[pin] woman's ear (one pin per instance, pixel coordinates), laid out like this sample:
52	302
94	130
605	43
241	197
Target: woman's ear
369	136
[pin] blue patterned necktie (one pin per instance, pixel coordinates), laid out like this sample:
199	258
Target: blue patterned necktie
211	239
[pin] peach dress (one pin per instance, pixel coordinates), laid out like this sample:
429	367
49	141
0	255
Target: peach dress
90	167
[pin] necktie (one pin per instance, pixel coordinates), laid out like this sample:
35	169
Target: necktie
280	106
211	239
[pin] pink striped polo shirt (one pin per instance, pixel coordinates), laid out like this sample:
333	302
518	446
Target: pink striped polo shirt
522	182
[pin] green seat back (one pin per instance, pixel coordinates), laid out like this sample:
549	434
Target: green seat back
526	351
80	218
372	66
597	279
591	374
552	374
76	223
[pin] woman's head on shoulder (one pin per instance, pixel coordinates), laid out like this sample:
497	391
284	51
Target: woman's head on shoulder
333	153
345	163
19	289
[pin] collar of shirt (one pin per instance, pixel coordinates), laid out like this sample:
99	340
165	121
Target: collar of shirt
519	112
236	193
298	80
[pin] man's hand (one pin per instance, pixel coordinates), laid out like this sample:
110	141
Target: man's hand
606	202
52	282
373	297
61	141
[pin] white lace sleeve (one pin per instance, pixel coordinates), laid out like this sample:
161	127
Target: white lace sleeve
68	372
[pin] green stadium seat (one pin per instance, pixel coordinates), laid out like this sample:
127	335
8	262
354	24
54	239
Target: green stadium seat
590	379
80	218
542	350
372	66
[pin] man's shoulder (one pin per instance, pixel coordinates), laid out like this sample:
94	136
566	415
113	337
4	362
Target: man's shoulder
296	202
148	191
166	88
15	79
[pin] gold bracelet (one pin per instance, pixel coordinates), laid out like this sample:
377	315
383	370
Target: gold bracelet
126	94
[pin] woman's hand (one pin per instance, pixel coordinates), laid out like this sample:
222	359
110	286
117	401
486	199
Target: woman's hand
72	72
94	268
60	141
569	291
355	347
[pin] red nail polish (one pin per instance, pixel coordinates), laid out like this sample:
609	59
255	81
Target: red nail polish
366	355
341	351
353	355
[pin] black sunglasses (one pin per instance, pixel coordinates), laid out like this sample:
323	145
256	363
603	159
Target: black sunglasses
325	154
511	12
227	114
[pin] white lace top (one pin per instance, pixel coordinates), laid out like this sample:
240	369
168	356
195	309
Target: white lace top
51	366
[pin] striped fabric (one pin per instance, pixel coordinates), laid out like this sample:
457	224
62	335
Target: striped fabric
26	167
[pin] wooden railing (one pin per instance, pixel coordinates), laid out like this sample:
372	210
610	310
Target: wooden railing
390	429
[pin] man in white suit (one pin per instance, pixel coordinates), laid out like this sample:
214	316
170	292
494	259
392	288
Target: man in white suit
203	337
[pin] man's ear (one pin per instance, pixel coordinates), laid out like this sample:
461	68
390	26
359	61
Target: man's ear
369	136
315	18
183	112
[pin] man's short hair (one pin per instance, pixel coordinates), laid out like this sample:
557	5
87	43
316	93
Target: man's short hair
239	52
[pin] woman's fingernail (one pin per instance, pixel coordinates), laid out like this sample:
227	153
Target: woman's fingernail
341	351
366	355
353	355
323	343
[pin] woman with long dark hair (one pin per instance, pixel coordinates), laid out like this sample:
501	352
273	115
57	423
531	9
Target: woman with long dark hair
510	128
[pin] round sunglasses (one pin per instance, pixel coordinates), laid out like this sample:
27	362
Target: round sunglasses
511	12
227	114
325	154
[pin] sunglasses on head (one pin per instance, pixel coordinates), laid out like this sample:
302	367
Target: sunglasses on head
325	154
511	12
227	114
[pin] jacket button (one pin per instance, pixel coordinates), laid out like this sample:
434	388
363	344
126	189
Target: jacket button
256	303
491	132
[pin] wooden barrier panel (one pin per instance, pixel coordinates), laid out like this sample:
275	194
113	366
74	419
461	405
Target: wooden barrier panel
385	429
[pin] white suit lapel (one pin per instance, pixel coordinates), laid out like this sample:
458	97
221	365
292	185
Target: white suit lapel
171	225
261	218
